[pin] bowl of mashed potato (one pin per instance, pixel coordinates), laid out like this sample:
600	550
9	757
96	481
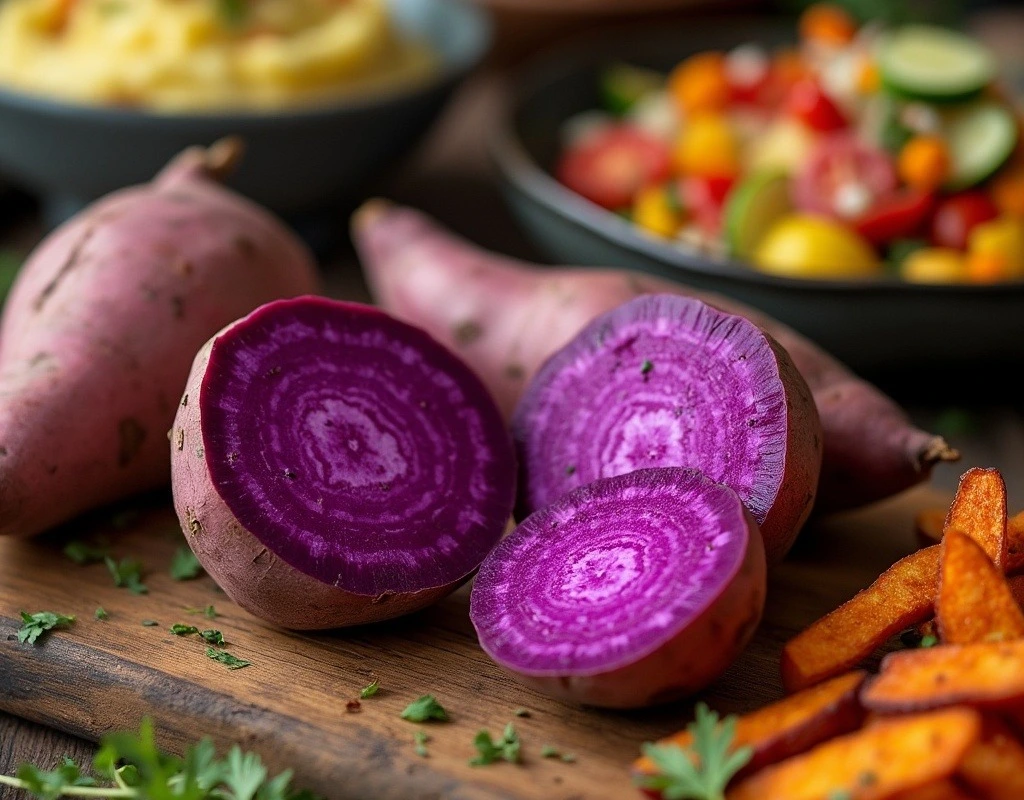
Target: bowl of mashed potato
97	94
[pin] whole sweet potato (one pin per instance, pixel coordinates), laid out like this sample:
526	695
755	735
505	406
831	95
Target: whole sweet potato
102	324
505	318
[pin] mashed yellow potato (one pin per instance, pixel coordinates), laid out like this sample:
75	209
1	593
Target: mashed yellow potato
175	55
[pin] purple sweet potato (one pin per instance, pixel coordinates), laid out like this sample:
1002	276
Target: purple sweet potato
668	381
629	591
102	325
506	317
332	466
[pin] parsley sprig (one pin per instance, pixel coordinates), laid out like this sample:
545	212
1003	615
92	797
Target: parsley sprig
425	708
703	770
184	565
507	748
150	774
127	573
35	625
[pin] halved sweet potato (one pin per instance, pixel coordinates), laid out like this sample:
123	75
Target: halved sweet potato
903	595
979	510
988	675
928	525
994	765
974	603
789	727
881	761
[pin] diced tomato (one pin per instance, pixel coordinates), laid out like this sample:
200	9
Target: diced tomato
748	70
609	167
898	216
704	198
958	215
808	102
843	177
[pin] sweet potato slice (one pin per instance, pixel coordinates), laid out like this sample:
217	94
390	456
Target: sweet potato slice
974	603
1015	542
994	765
979	510
876	763
988	675
940	790
929	525
903	595
789	727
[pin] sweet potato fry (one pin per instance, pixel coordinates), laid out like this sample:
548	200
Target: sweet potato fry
929	525
1015	542
988	675
979	510
789	727
940	790
974	603
903	595
994	765
1016	584
879	762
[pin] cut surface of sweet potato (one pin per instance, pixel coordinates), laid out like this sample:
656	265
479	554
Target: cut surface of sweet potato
902	596
994	765
974	603
979	510
880	762
989	675
791	726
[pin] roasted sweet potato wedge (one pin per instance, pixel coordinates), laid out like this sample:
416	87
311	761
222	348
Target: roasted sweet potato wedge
789	727
979	510
989	675
974	603
1015	543
879	762
929	525
903	595
994	765
1016	584
940	790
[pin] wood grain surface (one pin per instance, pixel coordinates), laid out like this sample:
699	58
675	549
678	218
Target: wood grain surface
290	705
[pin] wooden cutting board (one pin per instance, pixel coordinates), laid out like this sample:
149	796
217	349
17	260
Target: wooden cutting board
290	705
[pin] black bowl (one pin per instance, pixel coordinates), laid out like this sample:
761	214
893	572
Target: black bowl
872	325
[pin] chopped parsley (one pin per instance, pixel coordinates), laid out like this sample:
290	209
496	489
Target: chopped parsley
149	623
929	641
35	625
101	613
185	566
179	629
646	367
209	612
82	553
228	660
421	738
425	708
507	748
370	689
213	637
127	574
550	751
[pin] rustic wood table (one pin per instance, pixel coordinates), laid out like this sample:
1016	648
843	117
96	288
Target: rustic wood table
448	177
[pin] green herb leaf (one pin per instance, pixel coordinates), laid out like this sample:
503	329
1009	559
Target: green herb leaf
209	612
425	708
180	629
646	367
233	12
149	623
213	637
228	660
929	641
82	553
507	748
244	775
185	566
50	785
35	625
703	770
127	574
101	613
568	758
421	738
370	689
550	751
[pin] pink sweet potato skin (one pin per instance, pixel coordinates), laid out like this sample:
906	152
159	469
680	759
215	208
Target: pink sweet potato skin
101	327
506	317
689	662
250	574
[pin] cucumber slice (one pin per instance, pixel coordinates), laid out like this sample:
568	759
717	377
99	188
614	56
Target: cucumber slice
981	138
930	63
622	85
756	204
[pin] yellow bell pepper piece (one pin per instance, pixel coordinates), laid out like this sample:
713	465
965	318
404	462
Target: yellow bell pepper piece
935	265
707	145
657	211
995	250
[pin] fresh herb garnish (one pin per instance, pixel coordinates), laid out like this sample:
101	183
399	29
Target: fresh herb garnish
421	738
507	748
214	637
150	774
233	12
185	565
179	629
127	574
928	641
703	770
425	708
209	612
370	689
35	625
646	367
82	553
149	623
228	660
101	613
568	758
550	751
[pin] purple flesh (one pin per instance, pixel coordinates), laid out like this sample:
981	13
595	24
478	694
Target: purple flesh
609	573
355	447
660	381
